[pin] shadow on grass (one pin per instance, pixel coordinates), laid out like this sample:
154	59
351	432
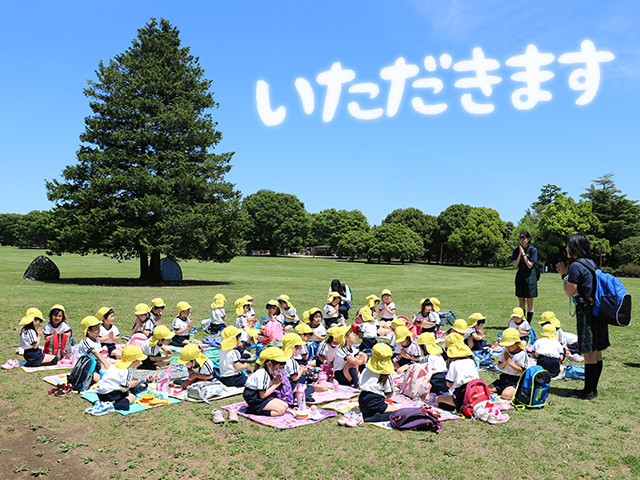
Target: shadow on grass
564	392
134	282
631	364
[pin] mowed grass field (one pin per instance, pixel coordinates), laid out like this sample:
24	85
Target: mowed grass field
43	435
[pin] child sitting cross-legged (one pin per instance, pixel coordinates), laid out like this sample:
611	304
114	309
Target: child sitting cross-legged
30	340
156	350
114	388
512	362
474	336
518	322
200	368
348	359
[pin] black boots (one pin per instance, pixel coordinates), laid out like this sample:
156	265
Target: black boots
592	373
529	317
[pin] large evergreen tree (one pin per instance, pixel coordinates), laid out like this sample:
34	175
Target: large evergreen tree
147	182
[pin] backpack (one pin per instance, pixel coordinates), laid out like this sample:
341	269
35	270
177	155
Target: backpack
416	418
416	384
476	391
575	372
446	320
204	391
81	376
57	345
611	301
532	389
137	339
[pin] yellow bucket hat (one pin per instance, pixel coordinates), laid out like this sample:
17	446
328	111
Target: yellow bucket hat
517	312
475	318
380	361
331	331
549	331
26	320
305	316
386	291
397	322
272	303
303	328
191	352
289	341
88	322
239	304
57	306
102	311
339	335
550	317
453	339
428	339
332	295
248	298
182	306
158	302
218	300
459	326
313	311
229	337
459	350
510	337
366	314
129	354
422	300
436	304
274	354
253	333
285	299
141	309
402	333
371	300
35	312
161	332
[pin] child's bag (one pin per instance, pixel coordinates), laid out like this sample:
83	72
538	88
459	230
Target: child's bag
532	389
204	391
57	346
81	375
476	391
416	383
446	320
574	372
611	301
416	418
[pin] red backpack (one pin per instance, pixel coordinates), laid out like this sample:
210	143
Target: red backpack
477	391
57	345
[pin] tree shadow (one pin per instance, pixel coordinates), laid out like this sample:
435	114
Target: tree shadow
134	282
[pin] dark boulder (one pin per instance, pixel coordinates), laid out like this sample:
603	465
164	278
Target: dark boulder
42	268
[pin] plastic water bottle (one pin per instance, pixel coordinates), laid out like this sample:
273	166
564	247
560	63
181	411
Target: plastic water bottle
105	352
499	337
300	394
336	386
192	333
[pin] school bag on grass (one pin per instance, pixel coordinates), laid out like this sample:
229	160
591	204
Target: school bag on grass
476	391
81	375
611	301
416	384
575	372
416	418
57	345
532	389
204	391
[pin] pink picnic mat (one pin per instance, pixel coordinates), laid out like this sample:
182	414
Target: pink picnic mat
330	395
288	420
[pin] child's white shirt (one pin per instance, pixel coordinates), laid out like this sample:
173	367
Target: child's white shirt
150	350
436	364
206	369
524	325
432	317
241	321
521	359
291	311
180	324
413	349
385	315
461	371
548	347
370	382
63	327
368	330
327	351
218	316
114	379
28	336
319	333
259	380
340	359
292	367
330	311
566	338
87	345
104	332
228	360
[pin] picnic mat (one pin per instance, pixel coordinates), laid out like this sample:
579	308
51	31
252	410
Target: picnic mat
134	408
226	393
330	395
288	420
44	368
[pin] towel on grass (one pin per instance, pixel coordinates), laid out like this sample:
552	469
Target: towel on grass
288	420
134	408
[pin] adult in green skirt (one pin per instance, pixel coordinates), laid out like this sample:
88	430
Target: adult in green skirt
525	259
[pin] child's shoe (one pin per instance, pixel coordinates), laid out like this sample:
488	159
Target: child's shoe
233	416
344	419
216	416
354	421
101	408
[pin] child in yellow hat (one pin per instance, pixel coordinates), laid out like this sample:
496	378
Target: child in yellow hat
109	333
155	348
199	367
218	315
289	314
474	335
307	355
406	351
157	309
348	359
376	385
273	328
513	361
30	340
518	322
315	322
242	309
292	344
143	323
232	366
432	356
568	340
251	312
462	369
386	310
548	351
58	324
114	388
368	331
427	319
262	383
90	345
182	326
332	311
328	347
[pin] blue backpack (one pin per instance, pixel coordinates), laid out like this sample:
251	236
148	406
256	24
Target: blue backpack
612	302
81	376
532	389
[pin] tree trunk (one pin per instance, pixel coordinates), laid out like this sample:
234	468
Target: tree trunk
144	267
155	273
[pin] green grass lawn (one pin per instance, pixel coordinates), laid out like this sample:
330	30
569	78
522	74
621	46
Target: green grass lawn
43	435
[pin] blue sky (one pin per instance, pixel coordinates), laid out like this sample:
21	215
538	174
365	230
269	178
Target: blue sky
498	160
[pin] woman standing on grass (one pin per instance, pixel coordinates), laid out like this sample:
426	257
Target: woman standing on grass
593	334
525	259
